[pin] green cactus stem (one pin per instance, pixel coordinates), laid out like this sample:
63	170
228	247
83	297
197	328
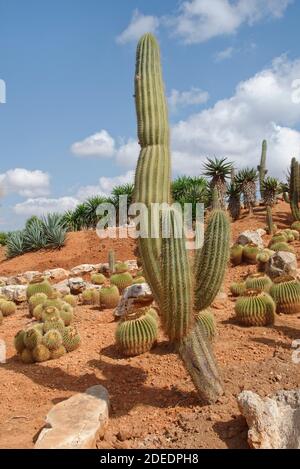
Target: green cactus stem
262	168
286	294
255	309
259	282
236	254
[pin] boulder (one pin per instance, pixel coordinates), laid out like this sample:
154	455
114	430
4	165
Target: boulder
274	422
77	422
3	281
85	268
282	263
132	265
252	237
19	279
261	232
56	274
63	287
134	297
16	293
77	285
30	274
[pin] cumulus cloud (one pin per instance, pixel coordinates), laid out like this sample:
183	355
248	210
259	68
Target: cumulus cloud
262	107
181	99
199	20
139	25
24	182
42	206
100	145
127	153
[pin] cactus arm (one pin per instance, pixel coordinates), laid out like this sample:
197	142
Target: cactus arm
198	358
177	303
211	260
295	189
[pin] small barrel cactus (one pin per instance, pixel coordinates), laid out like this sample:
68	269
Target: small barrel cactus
121	268
54	323
109	297
98	279
57	353
259	282
71	300
237	288
41	353
26	356
35	300
236	254
50	312
296	235
296	226
71	339
250	252
136	334
19	341
279	238
286	294
52	339
262	260
282	247
207	322
66	314
32	338
39	285
7	308
255	309
87	296
121	281
138	280
289	235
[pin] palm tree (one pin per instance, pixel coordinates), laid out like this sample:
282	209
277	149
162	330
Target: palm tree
190	190
234	200
219	170
271	188
246	180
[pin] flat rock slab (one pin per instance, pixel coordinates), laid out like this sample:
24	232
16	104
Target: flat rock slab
76	422
274	422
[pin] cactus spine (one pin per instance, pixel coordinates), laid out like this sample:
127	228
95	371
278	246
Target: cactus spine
164	260
262	168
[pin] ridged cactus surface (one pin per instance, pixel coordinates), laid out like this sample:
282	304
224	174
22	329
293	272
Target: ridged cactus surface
255	309
286	294
259	282
136	336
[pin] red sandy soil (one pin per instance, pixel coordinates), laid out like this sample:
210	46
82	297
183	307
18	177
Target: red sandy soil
153	402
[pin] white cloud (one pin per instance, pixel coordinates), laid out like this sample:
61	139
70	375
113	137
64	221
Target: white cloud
200	20
101	145
262	107
224	54
108	183
104	186
42	206
139	25
24	182
193	97
127	153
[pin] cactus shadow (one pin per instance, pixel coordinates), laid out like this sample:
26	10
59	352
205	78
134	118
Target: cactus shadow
290	332
233	433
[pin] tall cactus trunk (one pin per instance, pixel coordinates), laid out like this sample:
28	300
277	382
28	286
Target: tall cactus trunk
295	189
262	168
165	260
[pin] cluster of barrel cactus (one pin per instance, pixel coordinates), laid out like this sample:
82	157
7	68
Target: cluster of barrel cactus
52	335
46	341
165	260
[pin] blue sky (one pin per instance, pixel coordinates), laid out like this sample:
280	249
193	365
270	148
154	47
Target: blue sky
68	127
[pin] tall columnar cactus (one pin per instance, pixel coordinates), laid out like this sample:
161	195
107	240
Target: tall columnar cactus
179	289
271	227
262	168
294	195
111	261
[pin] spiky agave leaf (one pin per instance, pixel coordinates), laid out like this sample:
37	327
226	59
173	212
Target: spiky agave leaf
34	236
219	170
15	244
55	233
